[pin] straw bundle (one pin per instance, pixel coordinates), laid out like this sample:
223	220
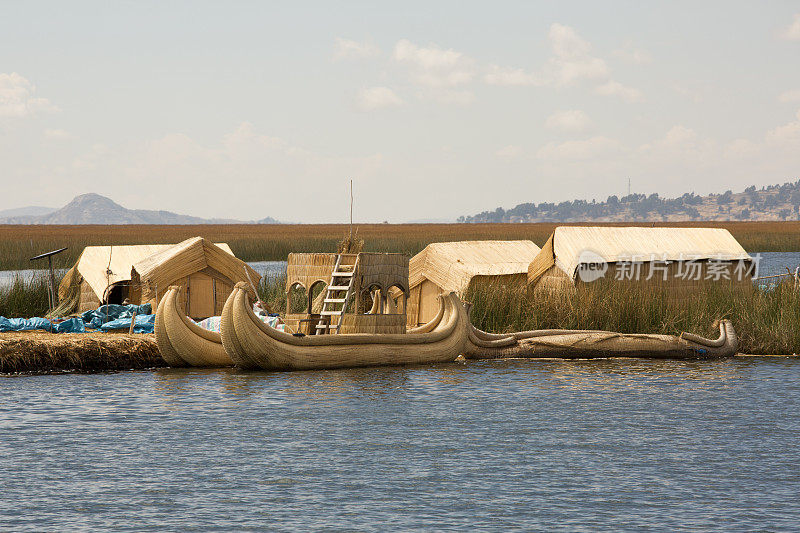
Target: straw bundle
351	244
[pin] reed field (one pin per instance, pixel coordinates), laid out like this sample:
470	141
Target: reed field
273	242
26	297
767	321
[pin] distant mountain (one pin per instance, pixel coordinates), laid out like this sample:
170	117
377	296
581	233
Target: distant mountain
96	209
774	202
29	211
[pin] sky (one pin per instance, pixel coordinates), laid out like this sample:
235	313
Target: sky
434	109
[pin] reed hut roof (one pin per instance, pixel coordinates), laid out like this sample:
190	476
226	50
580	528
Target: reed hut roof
103	266
565	246
452	265
163	267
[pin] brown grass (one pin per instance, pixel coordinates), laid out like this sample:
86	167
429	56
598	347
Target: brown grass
274	242
35	351
766	321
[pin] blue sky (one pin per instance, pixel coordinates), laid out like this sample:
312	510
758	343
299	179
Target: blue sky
251	109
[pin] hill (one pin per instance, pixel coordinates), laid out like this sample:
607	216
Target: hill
774	202
29	211
97	209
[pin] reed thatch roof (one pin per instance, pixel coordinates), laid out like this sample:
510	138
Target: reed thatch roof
94	262
452	265
192	255
613	244
103	266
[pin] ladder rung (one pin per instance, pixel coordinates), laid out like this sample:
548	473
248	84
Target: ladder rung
338	288
326	313
342	274
335	300
325	326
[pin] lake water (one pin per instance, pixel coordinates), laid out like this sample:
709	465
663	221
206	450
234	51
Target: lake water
265	268
769	264
492	445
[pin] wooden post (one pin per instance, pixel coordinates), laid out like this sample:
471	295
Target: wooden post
52	282
52	295
133	321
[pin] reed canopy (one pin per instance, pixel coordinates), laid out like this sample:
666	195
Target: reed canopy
678	256
206	273
443	267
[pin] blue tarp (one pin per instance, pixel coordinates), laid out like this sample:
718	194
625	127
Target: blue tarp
143	324
24	324
106	317
72	325
106	313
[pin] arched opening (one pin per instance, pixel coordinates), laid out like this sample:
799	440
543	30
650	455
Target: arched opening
316	296
397	300
296	299
371	301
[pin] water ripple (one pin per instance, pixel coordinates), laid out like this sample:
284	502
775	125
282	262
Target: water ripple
495	445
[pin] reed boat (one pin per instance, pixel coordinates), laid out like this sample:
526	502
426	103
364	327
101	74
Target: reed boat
181	341
587	344
251	343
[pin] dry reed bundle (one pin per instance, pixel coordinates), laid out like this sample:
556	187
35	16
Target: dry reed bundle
86	352
351	244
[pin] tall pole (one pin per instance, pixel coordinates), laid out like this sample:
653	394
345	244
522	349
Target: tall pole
351	209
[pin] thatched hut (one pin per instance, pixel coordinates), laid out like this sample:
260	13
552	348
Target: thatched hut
206	273
375	303
142	273
681	257
454	266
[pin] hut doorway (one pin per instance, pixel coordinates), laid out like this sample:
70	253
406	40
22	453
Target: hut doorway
117	293
200	295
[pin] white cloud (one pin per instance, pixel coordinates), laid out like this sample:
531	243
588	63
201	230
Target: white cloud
614	88
678	135
433	66
508	152
786	134
17	98
790	96
572	120
347	49
373	98
679	140
595	147
573	60
57	134
508	76
792	33
632	54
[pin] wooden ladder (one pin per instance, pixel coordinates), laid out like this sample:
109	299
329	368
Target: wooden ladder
335	304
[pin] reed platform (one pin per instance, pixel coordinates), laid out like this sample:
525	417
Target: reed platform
38	351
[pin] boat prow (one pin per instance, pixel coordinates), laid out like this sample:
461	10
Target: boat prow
252	344
181	341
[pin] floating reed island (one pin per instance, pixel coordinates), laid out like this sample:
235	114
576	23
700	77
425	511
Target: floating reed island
39	351
353	308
